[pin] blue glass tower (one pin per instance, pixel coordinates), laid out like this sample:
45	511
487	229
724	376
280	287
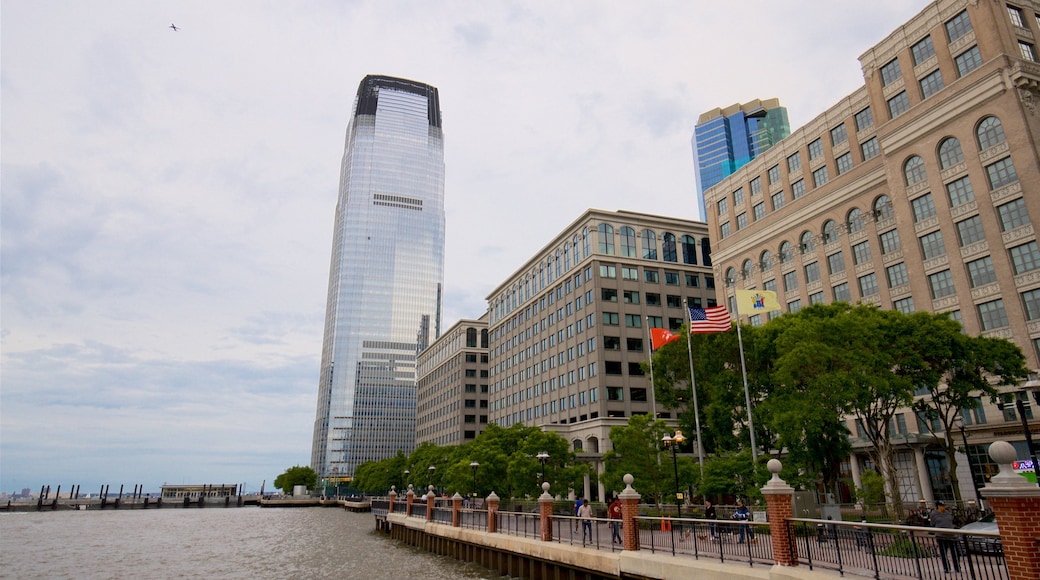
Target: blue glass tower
385	277
724	140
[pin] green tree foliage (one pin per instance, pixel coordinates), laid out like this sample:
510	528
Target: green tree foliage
636	449
296	475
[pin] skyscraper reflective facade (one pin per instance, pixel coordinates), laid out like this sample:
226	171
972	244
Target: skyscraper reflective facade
385	278
726	139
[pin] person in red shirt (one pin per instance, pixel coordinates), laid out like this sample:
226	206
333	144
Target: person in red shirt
614	513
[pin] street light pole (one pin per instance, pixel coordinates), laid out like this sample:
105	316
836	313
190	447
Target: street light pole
542	458
474	465
431	470
674	443
406	474
971	472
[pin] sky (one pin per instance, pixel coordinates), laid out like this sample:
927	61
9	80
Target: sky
167	197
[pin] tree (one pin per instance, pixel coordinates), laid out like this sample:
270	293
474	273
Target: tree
636	449
296	475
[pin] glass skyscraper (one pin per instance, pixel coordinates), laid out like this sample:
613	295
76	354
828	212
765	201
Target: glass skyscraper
385	277
724	140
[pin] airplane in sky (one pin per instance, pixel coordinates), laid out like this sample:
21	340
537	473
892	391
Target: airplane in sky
174	27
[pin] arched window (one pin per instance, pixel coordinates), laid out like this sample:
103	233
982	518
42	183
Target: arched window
586	247
706	251
471	337
566	257
577	249
854	221
549	270
830	231
883	207
950	153
786	252
689	250
914	171
559	265
989	133
765	261
606	239
668	247
628	242
746	269
649	240
808	243
731	276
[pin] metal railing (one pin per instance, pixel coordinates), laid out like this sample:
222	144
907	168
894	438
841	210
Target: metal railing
722	540
896	551
519	524
473	519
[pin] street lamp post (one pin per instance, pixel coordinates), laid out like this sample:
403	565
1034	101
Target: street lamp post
964	439
1020	406
431	470
542	458
406	474
474	465
674	442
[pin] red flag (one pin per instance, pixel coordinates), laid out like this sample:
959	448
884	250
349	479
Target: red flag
661	336
706	320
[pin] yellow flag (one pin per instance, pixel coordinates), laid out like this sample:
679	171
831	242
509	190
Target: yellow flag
756	301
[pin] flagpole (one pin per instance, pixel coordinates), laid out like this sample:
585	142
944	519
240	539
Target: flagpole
653	398
693	387
743	371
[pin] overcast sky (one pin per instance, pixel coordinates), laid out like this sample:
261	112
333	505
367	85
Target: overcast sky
168	196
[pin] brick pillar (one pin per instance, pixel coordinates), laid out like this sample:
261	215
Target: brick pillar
779	508
545	505
1015	502
393	498
492	513
408	501
456	510
431	502
629	512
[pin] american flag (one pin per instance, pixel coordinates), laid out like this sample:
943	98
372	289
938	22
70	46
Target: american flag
713	319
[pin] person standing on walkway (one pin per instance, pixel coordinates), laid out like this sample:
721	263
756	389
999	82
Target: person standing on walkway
709	514
614	513
585	515
947	542
743	514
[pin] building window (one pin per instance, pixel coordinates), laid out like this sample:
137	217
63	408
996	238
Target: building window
815	149
794	306
1001	173
841	293
741	221
836	263
633	321
653	299
898	105
820	176
950	153
798	188
992	315
786	253
854	221
1013	215
759	210
765	262
1031	303
932	245
923	207
671	279
606	294
844	162
649	240
897	275
905	305
615	393
923	50
627	273
755	186
606	239
605	271
830	231
989	133
839	135
631	297
692	280
816	298
891	72
611	319
870	148
868	285
968	61
812	272
864	119
790	281
628	242
1025	258
668	252
861	253
958	26
1016	17
931	84
914	171
970	231
774	174
1028	51
941	284
807	242
960	191
652	276
794	162
981	272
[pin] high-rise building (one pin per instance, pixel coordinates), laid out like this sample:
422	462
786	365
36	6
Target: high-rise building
724	140
920	191
452	395
569	329
385	278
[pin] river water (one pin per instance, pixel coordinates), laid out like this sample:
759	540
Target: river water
213	543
